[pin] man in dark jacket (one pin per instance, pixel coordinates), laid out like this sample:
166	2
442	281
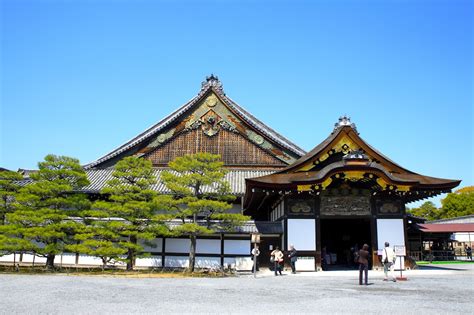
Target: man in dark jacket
293	258
363	263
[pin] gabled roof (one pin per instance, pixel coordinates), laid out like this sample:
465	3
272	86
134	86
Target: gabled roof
211	85
344	132
344	154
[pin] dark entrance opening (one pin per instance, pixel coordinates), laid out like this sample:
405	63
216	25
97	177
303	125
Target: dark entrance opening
339	238
266	246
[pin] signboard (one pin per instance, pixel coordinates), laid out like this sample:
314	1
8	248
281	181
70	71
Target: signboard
399	250
256	238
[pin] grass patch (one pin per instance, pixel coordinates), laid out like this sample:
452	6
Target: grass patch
447	262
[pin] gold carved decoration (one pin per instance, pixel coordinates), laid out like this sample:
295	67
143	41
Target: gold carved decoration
211	101
300	207
354	175
382	183
304	187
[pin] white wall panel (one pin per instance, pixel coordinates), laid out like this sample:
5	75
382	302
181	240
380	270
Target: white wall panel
305	264
154	261
243	263
237	247
67	259
90	260
8	258
176	262
208	262
229	261
302	233
208	246
392	231
177	245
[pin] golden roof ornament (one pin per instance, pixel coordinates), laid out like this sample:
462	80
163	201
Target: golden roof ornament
212	81
345	121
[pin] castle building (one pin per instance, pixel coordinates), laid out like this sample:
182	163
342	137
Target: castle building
325	202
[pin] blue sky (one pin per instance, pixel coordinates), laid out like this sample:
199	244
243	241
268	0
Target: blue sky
79	78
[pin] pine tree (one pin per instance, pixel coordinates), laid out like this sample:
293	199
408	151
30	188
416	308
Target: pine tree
9	186
130	205
200	198
98	238
46	205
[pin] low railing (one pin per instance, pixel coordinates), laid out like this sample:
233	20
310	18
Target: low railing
438	255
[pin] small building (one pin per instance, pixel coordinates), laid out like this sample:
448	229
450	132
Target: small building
443	239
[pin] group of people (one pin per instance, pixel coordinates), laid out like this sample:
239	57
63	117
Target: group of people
277	259
388	261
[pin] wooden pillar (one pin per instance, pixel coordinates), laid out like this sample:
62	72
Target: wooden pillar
163	252
373	231
222	250
317	256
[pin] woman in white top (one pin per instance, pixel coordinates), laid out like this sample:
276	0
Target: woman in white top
277	255
388	260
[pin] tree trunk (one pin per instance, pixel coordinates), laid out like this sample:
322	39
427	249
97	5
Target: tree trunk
192	253
50	261
131	256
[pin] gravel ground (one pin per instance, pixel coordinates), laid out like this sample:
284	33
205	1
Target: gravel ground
432	290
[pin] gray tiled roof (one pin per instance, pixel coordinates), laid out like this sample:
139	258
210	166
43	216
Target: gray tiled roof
236	178
248	227
215	86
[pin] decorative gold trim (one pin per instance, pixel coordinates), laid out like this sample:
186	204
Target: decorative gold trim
304	187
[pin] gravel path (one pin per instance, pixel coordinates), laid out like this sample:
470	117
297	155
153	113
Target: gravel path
438	290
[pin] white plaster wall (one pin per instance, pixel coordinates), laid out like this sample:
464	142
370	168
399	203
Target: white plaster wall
230	261
237	247
392	231
208	262
208	246
243	263
176	262
153	261
464	237
28	258
305	264
90	260
177	245
8	258
67	259
302	233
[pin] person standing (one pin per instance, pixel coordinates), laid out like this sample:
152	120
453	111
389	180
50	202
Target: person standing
364	264
293	256
388	260
277	260
468	251
255	254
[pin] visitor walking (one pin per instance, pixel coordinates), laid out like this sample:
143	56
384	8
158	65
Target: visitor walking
277	255
388	260
293	256
255	254
364	264
468	251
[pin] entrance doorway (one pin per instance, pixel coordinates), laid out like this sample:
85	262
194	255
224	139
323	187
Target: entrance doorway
267	245
339	238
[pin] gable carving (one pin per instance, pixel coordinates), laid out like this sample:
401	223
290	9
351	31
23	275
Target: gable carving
211	117
234	149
